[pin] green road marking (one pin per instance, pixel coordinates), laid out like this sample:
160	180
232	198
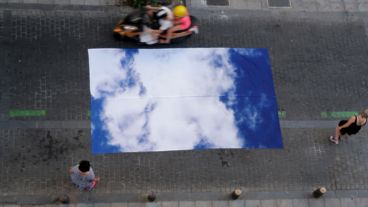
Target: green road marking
26	113
338	114
84	124
282	114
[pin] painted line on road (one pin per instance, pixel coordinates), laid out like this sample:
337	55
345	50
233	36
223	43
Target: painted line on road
338	114
308	124
282	114
26	113
71	124
85	124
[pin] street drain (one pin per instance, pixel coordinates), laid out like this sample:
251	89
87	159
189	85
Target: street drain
279	3
218	2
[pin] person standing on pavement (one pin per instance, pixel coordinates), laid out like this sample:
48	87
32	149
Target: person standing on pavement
350	126
83	176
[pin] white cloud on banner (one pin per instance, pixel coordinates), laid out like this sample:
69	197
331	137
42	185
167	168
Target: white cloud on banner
105	70
250	114
250	52
180	106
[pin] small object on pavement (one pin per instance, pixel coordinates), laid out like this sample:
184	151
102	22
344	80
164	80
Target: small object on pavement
62	199
319	192
236	193
151	197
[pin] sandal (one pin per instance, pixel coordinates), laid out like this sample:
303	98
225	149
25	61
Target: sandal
333	140
93	185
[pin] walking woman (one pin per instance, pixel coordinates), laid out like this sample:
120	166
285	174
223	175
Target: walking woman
350	126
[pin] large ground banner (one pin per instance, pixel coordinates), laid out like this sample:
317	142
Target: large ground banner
182	99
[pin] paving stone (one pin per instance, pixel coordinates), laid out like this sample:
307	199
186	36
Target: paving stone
252	203
363	6
323	5
351	7
84	205
63	2
236	203
119	204
155	204
15	1
347	202
135	204
107	2
362	202
220	204
78	2
332	202
101	205
284	203
217	2
30	1
268	203
170	204
300	202
46	1
67	205
337	6
279	3
93	2
203	203
187	204
316	202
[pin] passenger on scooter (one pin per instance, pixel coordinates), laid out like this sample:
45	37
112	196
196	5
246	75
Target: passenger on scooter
149	34
181	26
165	19
161	19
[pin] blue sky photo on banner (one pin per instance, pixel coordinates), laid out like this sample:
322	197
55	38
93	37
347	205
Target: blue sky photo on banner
182	99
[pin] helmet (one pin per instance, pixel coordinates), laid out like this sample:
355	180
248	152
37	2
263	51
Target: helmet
180	11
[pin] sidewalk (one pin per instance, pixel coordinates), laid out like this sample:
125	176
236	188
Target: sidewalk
288	202
295	5
247	199
286	5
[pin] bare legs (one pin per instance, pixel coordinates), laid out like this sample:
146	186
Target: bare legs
335	139
171	34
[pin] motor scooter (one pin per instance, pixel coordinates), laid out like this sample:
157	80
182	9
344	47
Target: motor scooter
131	26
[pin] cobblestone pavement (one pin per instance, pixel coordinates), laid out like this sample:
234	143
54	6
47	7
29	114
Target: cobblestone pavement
319	63
329	202
297	5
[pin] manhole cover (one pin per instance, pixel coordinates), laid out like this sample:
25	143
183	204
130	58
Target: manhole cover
279	3
218	2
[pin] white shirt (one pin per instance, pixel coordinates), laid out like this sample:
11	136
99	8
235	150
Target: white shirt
146	37
165	24
168	21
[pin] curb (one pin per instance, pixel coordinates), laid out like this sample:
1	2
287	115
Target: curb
90	197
